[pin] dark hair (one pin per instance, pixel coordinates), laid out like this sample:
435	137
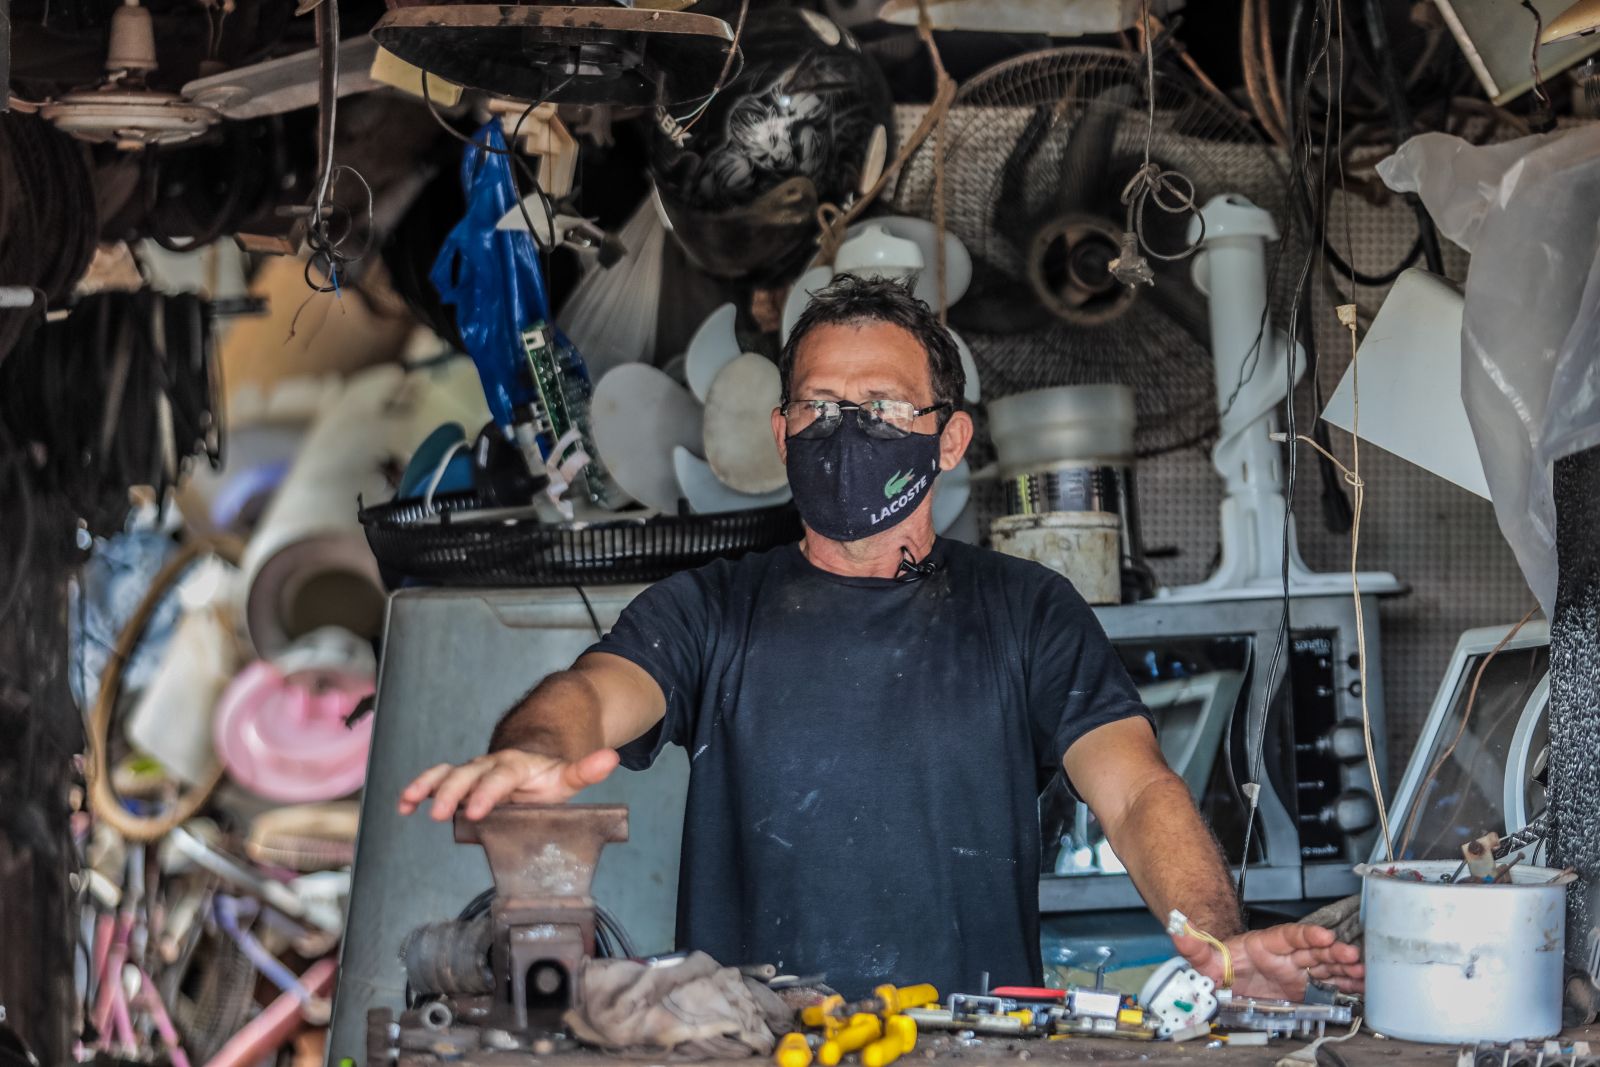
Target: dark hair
852	301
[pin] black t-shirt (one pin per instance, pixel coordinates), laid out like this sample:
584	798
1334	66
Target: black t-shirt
866	757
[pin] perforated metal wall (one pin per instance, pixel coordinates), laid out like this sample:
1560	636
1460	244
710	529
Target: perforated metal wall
1439	539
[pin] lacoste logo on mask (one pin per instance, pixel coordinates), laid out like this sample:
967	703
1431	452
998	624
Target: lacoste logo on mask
895	484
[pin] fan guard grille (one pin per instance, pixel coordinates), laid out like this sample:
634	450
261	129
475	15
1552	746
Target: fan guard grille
1038	150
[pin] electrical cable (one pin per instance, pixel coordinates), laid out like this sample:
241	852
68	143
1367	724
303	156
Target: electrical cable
1300	155
1170	190
47	201
618	933
727	65
1399	113
1418	797
122	392
325	247
1352	475
1178	923
516	159
1540	92
594	620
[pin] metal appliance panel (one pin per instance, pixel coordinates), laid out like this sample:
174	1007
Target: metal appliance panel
453	662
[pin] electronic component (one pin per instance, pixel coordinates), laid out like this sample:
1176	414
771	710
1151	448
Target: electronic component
1177	999
1278	1018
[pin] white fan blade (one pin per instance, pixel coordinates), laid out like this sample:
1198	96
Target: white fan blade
957	261
707	496
639	415
713	346
287	83
951	490
738	426
972	394
800	295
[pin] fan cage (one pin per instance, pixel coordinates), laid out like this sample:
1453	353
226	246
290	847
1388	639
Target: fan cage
414	545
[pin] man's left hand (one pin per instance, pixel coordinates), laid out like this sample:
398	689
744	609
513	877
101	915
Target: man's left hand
1277	961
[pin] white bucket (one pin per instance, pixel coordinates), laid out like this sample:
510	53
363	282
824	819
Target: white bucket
1086	546
1453	963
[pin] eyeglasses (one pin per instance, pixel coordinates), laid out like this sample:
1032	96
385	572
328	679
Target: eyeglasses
887	420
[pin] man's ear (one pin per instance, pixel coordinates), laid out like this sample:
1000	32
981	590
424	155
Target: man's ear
780	433
953	441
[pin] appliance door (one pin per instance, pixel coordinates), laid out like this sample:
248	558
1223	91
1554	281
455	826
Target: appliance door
453	662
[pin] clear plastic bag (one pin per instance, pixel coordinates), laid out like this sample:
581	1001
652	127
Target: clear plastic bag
1529	212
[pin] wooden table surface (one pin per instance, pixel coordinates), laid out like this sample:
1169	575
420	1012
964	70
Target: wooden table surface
1364	1048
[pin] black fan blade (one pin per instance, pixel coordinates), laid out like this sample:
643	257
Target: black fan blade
998	302
1011	219
1185	305
1083	179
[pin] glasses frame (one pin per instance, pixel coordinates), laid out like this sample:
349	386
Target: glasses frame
859	409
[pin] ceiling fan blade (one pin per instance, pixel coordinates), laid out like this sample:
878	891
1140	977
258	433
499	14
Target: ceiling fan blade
287	83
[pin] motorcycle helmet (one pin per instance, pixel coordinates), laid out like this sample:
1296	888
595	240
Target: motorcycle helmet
807	120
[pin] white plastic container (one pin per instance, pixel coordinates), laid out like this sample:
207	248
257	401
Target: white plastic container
1090	424
1454	963
1086	546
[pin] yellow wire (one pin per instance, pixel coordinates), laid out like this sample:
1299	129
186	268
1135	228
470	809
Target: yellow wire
1227	957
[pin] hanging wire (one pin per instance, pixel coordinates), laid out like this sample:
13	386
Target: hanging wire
326	248
1170	190
1314	188
687	122
1540	91
516	158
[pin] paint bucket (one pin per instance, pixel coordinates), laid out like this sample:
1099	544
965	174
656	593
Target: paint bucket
1464	962
1085	546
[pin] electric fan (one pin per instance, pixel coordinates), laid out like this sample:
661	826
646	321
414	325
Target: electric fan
1038	152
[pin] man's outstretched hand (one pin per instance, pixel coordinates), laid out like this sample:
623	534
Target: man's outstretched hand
507	776
1277	961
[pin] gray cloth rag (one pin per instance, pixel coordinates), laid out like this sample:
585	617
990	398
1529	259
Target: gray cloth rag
1343	917
687	1008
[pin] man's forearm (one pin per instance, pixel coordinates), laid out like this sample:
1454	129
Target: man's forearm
1174	860
560	717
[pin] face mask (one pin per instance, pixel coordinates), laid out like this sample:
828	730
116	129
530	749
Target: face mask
849	486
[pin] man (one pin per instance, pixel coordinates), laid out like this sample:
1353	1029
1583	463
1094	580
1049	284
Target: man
869	714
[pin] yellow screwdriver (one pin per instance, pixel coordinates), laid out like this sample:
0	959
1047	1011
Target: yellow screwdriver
828	1013
793	1051
861	1031
887	1000
898	1040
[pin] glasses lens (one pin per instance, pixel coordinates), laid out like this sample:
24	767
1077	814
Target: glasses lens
813	418
887	419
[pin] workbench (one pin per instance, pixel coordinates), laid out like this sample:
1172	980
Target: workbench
936	1049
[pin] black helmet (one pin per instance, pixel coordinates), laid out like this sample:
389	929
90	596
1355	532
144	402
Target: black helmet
808	120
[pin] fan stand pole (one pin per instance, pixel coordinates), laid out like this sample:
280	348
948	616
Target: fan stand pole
1250	356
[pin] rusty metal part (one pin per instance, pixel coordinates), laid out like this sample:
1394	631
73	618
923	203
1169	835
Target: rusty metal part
562	53
542	858
450	957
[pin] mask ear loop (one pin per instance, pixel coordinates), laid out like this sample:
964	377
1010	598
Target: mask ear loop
910	570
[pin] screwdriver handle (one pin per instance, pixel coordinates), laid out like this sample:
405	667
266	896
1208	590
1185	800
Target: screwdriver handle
900	1037
898	999
793	1051
861	1031
823	1013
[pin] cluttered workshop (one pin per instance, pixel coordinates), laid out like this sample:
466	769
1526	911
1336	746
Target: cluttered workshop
809	532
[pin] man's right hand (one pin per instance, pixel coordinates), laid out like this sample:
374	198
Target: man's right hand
509	775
